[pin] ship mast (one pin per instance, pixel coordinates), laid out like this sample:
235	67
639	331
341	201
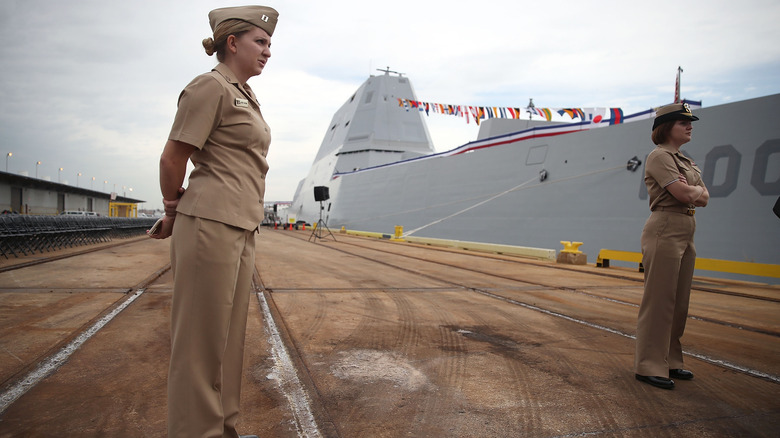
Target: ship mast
677	86
387	71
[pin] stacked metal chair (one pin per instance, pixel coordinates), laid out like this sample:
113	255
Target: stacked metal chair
30	234
13	237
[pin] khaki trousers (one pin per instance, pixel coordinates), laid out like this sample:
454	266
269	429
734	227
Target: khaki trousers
212	266
668	256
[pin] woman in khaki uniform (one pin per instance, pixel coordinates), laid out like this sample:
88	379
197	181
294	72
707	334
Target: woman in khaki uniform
220	128
675	189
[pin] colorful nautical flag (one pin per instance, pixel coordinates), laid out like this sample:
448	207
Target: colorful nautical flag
616	116
574	113
544	112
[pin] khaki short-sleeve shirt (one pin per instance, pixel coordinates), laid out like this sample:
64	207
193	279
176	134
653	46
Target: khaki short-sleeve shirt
223	121
664	166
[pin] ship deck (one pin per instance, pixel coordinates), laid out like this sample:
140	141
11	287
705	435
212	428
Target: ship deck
359	337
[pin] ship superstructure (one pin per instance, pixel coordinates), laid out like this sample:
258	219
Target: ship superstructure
367	131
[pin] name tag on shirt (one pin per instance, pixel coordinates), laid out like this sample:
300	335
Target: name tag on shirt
242	103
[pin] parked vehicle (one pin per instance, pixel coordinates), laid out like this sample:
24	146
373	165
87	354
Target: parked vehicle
301	224
78	213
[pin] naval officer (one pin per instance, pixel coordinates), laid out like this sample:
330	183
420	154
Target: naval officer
675	189
219	127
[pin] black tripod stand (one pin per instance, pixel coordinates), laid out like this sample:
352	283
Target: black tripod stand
318	232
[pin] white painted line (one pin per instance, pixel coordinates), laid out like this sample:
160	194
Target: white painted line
50	364
287	378
718	362
735	367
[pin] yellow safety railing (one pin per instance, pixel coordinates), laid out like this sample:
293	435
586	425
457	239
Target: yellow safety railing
539	253
730	266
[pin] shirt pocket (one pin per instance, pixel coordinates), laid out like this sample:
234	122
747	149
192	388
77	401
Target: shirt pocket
690	171
237	128
682	165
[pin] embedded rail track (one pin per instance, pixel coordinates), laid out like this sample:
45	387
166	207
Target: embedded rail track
755	294
366	337
53	351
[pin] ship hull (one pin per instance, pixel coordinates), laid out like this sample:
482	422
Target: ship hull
495	193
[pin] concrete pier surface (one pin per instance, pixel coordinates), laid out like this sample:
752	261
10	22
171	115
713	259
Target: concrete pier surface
361	337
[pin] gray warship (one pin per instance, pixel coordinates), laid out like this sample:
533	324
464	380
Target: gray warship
536	183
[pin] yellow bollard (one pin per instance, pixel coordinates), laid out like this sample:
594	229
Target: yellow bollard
571	254
572	247
399	234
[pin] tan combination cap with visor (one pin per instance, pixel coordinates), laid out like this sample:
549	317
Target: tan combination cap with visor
675	111
263	17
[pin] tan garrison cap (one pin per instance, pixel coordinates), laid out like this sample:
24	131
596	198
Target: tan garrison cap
263	17
675	111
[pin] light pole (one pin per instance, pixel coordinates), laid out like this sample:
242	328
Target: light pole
6	160
37	163
78	174
92	184
59	175
105	181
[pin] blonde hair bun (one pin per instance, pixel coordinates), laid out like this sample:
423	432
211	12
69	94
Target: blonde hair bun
209	45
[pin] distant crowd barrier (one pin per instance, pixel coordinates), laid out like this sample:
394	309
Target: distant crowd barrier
28	234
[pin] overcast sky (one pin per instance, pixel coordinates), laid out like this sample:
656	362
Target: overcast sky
90	86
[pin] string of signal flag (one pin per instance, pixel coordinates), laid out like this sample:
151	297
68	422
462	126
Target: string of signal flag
478	113
595	115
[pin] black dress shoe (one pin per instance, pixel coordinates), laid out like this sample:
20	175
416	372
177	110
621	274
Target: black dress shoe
681	374
658	382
